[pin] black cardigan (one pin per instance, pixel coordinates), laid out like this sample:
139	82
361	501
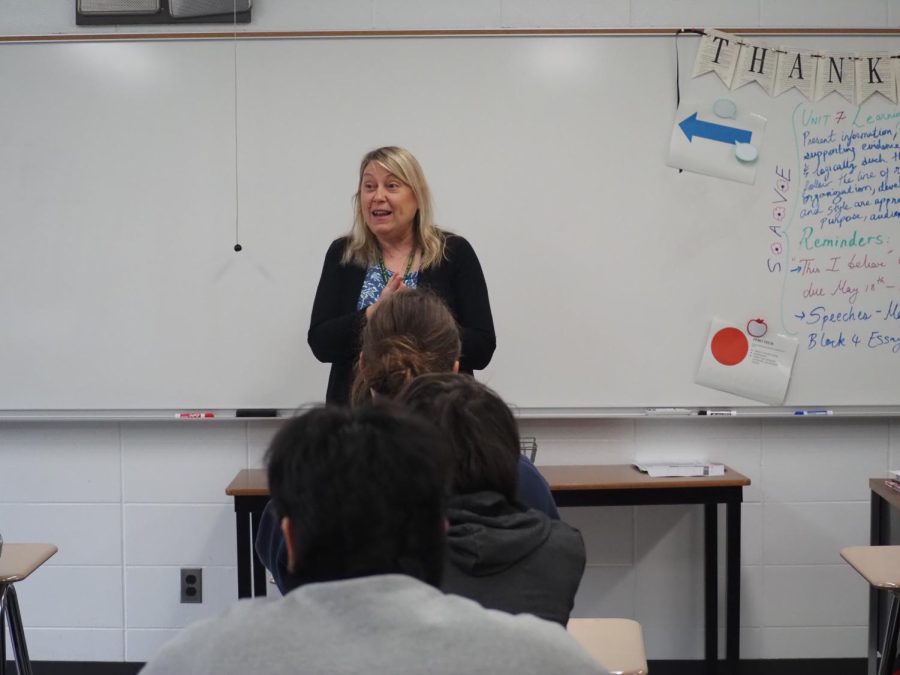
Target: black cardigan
335	325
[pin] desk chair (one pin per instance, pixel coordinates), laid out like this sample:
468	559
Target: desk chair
17	561
617	644
880	565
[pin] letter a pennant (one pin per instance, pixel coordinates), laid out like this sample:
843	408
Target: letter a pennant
795	69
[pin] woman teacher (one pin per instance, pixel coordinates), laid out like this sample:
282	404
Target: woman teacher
394	244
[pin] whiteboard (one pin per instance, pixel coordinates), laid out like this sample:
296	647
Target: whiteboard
131	169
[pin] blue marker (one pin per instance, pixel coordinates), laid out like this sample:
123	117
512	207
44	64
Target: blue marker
802	413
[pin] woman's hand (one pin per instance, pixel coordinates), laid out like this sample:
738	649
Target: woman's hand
394	285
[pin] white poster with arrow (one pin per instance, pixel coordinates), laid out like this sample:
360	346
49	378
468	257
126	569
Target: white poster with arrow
717	140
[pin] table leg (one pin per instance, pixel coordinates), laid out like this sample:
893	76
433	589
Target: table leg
242	528
876	510
3	630
889	646
259	570
711	584
17	633
733	585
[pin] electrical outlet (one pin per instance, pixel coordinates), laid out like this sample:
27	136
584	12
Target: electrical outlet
191	584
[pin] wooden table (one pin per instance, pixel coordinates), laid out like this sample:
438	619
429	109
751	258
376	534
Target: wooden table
581	485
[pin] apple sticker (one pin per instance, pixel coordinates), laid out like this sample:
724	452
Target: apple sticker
757	328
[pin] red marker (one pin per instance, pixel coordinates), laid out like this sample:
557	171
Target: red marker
194	416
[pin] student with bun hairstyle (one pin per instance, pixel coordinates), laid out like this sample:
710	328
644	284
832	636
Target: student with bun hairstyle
412	332
500	553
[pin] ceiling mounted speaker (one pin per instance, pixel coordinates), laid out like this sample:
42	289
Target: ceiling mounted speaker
118	6
184	8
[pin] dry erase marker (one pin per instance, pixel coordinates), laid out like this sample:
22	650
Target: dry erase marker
194	416
800	413
717	413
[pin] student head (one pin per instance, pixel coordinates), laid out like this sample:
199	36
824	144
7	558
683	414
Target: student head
359	493
480	430
412	332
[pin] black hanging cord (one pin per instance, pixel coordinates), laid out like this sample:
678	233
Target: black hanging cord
678	67
237	203
677	70
694	31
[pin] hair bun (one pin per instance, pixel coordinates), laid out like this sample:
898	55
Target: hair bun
410	334
400	359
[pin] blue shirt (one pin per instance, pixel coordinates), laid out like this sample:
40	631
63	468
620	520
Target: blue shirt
534	492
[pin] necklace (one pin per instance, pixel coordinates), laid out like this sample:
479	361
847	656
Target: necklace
384	270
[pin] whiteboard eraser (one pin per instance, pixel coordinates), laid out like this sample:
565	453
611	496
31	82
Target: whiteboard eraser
256	412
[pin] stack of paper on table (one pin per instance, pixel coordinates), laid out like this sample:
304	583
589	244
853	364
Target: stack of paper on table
683	469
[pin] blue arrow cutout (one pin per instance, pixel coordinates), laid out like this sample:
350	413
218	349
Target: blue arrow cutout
691	127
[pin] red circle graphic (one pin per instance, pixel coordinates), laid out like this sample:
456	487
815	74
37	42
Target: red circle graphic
729	346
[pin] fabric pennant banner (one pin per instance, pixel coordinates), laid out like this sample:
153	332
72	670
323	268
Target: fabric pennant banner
795	69
836	72
854	75
875	74
718	52
756	63
895	69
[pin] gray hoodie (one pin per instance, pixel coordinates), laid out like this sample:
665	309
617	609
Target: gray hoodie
510	558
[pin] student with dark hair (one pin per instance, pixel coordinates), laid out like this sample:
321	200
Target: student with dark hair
500	553
360	498
355	490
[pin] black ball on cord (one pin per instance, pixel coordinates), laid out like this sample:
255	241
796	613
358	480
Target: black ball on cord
238	247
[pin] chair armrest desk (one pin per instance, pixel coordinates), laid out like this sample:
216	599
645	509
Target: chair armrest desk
884	502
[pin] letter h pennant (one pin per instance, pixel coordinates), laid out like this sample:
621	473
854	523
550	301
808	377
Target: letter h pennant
756	63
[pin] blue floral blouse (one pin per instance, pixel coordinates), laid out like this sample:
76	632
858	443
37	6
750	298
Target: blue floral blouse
373	284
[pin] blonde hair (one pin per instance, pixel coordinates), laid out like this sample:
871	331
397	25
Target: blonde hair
412	332
362	248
